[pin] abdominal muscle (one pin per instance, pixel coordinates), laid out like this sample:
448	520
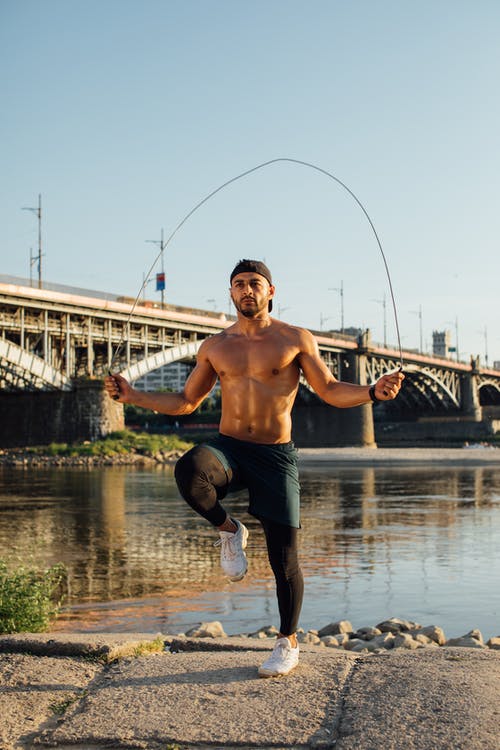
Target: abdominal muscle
256	412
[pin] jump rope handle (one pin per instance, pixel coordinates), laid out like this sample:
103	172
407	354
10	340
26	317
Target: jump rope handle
115	398
400	369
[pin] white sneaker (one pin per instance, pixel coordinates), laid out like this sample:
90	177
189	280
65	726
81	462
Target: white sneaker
232	556
283	659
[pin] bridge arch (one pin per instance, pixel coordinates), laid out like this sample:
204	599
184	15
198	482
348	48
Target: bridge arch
20	368
187	350
489	391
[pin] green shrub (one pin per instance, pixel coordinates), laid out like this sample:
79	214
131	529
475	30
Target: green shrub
29	597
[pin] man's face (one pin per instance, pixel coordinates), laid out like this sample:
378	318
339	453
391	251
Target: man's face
251	293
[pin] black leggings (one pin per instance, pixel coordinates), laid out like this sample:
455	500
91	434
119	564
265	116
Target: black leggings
203	482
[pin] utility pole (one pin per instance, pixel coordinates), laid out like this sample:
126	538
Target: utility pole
38	212
485	334
341	290
455	323
161	286
419	313
322	320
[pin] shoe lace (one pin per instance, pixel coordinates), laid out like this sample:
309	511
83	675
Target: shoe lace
226	542
280	651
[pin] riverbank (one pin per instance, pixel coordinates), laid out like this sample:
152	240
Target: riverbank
88	455
129	447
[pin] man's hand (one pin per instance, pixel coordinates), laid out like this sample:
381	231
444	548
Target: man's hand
388	386
118	388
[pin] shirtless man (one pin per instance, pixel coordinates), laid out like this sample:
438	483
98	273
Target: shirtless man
258	361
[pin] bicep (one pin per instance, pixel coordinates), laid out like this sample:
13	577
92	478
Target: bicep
313	367
200	381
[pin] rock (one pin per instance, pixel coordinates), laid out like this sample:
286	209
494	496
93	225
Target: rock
352	643
475	634
363	647
395	625
367	633
310	638
434	632
342	638
404	640
268	631
207	630
342	626
330	641
425	641
385	640
465	641
494	642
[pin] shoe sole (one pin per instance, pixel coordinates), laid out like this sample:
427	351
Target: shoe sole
265	673
240	576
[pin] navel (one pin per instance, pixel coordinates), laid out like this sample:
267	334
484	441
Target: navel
222	373
276	372
249	429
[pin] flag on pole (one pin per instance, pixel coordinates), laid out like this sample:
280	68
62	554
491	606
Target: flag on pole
160	282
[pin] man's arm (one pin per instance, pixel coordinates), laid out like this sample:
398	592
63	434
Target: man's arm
198	385
336	392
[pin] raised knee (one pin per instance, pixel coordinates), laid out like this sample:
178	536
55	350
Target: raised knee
196	468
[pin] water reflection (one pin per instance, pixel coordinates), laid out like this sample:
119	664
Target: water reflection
415	542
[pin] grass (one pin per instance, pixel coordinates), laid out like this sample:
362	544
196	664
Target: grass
116	444
29	597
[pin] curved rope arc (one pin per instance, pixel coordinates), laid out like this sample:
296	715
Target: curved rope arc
239	177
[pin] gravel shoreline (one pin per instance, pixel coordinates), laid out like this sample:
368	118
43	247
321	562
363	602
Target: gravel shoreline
389	634
480	455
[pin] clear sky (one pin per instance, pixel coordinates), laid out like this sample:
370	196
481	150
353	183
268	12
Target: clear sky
124	114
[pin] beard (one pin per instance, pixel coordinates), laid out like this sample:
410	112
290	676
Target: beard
250	311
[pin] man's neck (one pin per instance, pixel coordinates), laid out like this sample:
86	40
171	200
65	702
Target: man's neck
253	326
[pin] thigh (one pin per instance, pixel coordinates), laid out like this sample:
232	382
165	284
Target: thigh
204	466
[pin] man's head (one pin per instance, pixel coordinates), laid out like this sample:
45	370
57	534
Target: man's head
246	270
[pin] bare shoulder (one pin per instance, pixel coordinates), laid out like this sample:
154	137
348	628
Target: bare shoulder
300	337
213	342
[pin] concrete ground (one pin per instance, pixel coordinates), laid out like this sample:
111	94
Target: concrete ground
133	691
474	455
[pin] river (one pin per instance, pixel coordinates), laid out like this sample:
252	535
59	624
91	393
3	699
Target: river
420	542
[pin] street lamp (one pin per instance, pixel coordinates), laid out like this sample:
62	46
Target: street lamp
485	334
282	310
341	290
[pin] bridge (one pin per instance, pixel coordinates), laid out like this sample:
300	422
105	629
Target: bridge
57	344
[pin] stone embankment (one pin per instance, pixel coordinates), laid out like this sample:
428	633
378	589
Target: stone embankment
22	458
389	634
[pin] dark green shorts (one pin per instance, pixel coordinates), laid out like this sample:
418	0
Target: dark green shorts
269	472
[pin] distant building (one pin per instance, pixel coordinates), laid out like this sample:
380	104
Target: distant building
441	344
496	364
169	377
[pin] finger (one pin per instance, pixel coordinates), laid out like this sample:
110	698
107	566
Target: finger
114	387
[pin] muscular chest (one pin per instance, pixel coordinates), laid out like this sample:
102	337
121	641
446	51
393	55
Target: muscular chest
257	359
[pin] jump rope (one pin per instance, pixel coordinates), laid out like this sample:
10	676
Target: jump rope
240	176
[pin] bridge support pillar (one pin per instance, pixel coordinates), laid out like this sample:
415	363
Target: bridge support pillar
471	406
317	425
44	417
